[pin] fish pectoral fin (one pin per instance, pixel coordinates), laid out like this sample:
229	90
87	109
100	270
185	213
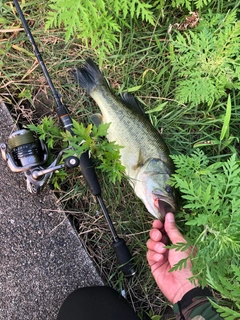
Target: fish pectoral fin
130	101
140	161
96	118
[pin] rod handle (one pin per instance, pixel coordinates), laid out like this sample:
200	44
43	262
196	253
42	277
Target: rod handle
124	257
89	173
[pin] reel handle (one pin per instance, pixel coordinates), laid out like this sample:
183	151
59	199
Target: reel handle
69	163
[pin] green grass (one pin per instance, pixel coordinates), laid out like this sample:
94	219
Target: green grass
139	63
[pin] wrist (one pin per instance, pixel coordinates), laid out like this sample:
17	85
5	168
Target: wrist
189	297
183	290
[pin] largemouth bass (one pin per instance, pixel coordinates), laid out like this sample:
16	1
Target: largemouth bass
144	153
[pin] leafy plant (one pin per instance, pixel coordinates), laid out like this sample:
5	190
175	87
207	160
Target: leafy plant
96	21
85	139
226	312
188	4
48	132
211	211
91	139
207	59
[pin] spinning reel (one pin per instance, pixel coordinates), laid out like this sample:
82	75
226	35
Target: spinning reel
27	154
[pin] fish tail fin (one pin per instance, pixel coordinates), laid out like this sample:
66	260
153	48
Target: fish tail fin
88	76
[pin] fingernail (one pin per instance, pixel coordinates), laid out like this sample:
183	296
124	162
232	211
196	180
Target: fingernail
170	217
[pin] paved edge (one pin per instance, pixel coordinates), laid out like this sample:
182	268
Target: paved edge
42	259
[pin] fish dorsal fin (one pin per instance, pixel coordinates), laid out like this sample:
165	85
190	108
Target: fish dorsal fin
131	102
96	118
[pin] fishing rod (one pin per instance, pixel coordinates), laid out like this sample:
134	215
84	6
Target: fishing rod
28	155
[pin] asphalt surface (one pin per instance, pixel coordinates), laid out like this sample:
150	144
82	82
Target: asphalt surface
41	258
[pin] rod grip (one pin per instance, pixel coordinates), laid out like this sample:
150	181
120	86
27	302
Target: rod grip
89	174
124	257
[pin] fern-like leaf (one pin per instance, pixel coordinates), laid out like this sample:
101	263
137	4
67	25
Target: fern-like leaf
206	60
211	193
96	21
226	312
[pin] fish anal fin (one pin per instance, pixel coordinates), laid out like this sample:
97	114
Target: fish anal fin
96	119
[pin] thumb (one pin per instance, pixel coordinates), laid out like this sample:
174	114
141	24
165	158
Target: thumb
171	229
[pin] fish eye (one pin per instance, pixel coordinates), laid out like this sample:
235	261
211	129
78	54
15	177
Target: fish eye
168	189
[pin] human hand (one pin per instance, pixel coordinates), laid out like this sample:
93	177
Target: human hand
172	284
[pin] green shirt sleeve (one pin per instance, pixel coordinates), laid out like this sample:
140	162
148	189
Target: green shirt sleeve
196	306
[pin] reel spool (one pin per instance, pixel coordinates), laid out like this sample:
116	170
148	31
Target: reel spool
25	151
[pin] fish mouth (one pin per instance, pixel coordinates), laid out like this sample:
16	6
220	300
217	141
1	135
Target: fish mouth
164	205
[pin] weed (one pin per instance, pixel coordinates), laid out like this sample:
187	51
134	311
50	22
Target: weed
207	61
210	192
85	139
95	21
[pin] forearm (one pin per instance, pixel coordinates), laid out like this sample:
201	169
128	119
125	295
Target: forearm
195	304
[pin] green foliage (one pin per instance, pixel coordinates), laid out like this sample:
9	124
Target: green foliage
207	59
226	312
211	210
58	177
97	21
47	131
88	139
226	122
188	4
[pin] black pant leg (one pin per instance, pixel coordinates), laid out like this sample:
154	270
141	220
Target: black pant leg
96	303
